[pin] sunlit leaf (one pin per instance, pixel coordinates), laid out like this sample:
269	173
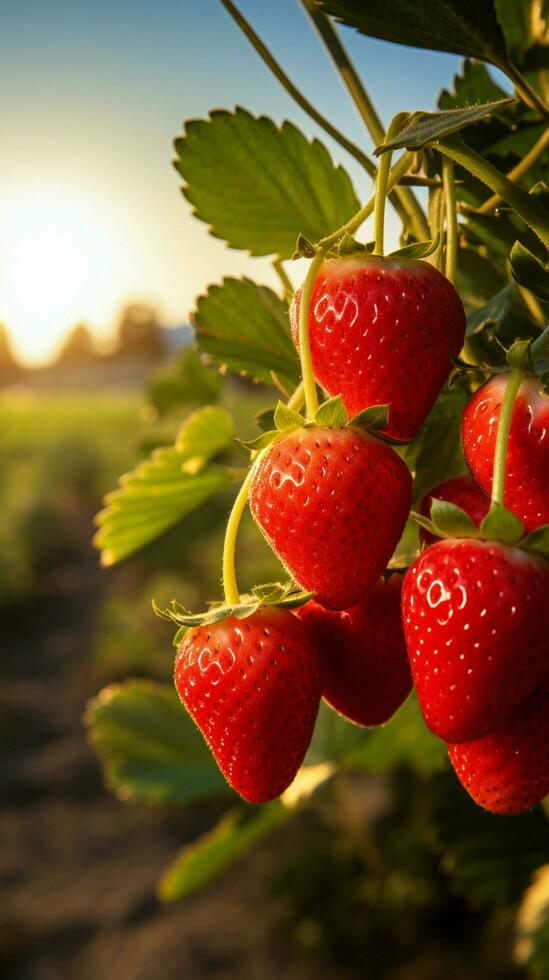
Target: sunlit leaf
150	748
245	327
426	127
259	186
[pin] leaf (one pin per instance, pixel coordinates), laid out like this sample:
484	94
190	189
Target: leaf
206	858
422	128
489	857
150	748
501	525
286	418
417	250
452	520
492	313
259	186
372	418
265	419
404	740
474	84
537	540
436	454
460	26
332	413
205	434
165	488
528	271
245	327
532	949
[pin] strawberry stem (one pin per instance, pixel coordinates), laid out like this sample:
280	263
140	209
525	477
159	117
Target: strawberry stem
500	455
451	218
230	586
382	184
309	383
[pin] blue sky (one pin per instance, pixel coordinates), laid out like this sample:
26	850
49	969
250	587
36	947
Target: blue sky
94	91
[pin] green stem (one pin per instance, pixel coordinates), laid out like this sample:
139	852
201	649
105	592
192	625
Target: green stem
451	218
297	398
381	185
309	383
500	455
230	586
403	199
436	225
294	92
523	203
521	168
283	276
524	90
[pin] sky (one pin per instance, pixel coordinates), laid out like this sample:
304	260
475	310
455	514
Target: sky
94	92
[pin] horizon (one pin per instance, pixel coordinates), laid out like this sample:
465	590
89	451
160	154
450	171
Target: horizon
92	215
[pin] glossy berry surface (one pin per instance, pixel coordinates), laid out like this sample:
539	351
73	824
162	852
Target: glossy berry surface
381	332
333	504
461	491
367	670
253	688
527	469
475	620
508	771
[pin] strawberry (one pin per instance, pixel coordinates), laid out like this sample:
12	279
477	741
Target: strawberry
475	624
381	332
508	771
333	503
367	670
253	688
461	491
526	481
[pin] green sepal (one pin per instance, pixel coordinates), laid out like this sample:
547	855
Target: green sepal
261	442
426	524
372	418
451	521
537	541
349	246
519	355
501	524
304	249
285	595
286	418
529	272
180	635
332	413
422	128
417	250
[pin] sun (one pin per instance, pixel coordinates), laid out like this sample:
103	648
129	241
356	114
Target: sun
55	267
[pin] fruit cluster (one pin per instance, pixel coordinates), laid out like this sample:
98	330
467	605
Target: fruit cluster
331	494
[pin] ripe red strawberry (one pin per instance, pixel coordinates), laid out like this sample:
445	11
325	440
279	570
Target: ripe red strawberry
508	771
475	617
333	504
461	491
381	332
526	480
367	669
253	688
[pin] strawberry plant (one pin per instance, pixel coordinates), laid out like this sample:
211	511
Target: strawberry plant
375	364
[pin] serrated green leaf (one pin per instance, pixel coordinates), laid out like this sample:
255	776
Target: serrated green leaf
204	435
492	313
150	748
165	488
286	418
501	525
422	128
529	272
372	418
452	520
488	857
332	413
417	250
206	858
245	327
537	540
473	84
259	186
459	26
